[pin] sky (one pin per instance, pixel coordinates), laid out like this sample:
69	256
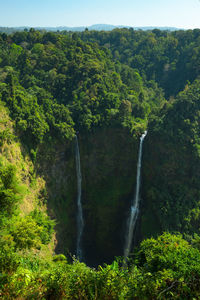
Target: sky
135	13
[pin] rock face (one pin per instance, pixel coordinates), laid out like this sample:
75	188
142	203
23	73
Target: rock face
170	187
57	165
108	164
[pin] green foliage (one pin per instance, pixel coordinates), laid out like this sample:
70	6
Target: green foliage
59	257
169	58
172	267
9	260
11	192
173	186
42	220
6	136
26	233
164	268
74	85
168	252
32	230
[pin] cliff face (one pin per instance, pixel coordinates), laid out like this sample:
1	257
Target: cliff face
108	165
56	163
170	186
109	159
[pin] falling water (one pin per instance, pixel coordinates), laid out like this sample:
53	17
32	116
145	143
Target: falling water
135	205
80	222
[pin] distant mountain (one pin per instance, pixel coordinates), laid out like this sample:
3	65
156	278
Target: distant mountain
108	27
160	28
98	27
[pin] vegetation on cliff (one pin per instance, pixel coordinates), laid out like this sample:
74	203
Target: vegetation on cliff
172	184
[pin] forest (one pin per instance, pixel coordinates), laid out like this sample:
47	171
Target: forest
105	88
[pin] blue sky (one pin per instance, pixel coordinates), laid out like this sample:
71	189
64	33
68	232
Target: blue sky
175	13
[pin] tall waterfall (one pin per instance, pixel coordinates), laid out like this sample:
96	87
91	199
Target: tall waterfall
80	222
135	204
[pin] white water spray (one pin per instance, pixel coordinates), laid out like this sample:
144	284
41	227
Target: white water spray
80	222
135	205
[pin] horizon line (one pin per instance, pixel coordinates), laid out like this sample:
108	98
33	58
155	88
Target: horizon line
99	24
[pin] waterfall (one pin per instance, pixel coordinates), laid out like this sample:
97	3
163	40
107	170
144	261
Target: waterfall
80	222
135	204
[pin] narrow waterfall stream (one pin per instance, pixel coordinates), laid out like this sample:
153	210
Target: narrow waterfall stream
135	204
80	222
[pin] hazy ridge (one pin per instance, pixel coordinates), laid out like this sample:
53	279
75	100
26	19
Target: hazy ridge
98	27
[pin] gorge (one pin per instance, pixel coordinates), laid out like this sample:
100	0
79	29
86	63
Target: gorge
65	197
